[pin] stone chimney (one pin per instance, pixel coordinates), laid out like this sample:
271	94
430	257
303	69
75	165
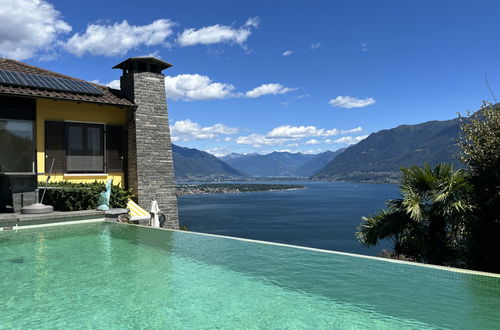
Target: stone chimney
150	170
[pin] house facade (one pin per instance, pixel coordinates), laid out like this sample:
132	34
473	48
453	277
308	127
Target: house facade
85	132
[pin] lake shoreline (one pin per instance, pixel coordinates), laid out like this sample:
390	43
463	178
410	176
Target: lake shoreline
233	188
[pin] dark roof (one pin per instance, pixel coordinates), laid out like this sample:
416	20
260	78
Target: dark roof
110	95
151	60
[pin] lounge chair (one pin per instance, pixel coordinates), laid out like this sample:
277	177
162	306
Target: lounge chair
136	212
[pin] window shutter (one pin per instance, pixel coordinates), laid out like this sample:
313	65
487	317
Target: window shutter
115	148
55	146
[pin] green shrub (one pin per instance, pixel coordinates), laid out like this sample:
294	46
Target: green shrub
120	196
66	196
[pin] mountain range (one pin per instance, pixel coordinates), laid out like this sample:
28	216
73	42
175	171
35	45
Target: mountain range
197	165
316	163
377	158
279	164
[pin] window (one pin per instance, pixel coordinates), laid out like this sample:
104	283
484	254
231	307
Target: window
16	147
85	147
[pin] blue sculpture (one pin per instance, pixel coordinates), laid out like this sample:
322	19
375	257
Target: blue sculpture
104	196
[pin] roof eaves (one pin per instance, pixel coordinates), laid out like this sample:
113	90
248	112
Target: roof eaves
61	98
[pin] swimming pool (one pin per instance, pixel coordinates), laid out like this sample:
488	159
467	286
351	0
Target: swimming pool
105	275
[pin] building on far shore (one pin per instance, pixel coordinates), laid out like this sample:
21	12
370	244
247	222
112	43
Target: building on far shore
88	131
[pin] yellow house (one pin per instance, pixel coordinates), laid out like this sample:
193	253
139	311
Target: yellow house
82	132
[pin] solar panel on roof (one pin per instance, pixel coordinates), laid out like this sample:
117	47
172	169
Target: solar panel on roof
47	82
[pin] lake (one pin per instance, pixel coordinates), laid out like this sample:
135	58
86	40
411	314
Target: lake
325	215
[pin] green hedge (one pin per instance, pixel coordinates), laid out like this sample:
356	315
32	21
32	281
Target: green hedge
65	196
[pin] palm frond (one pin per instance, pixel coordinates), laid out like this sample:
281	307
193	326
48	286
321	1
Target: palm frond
384	224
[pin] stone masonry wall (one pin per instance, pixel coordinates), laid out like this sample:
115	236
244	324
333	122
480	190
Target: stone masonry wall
150	162
127	88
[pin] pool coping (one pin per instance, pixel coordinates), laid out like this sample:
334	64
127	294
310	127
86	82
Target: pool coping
20	218
348	254
52	224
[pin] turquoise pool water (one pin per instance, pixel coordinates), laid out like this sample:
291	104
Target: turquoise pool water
114	276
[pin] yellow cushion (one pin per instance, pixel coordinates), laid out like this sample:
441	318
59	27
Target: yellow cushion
136	212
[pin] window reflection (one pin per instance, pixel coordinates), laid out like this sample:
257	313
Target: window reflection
16	145
75	142
85	152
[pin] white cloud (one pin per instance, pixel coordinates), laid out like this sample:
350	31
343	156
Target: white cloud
350	102
119	38
187	130
195	87
218	151
218	34
315	45
253	22
312	141
290	135
256	140
364	47
155	53
287	131
267	89
295	132
259	140
347	139
114	84
287	53
352	130
302	96
29	27
311	151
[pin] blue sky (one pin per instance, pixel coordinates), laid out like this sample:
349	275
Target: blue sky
259	76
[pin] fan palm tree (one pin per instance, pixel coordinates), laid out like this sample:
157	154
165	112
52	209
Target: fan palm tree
426	223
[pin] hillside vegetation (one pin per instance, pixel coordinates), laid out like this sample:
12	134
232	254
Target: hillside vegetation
379	157
196	165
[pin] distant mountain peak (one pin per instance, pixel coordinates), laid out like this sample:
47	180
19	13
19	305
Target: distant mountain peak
278	163
195	165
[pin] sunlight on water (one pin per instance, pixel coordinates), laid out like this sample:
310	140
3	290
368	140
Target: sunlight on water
116	276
